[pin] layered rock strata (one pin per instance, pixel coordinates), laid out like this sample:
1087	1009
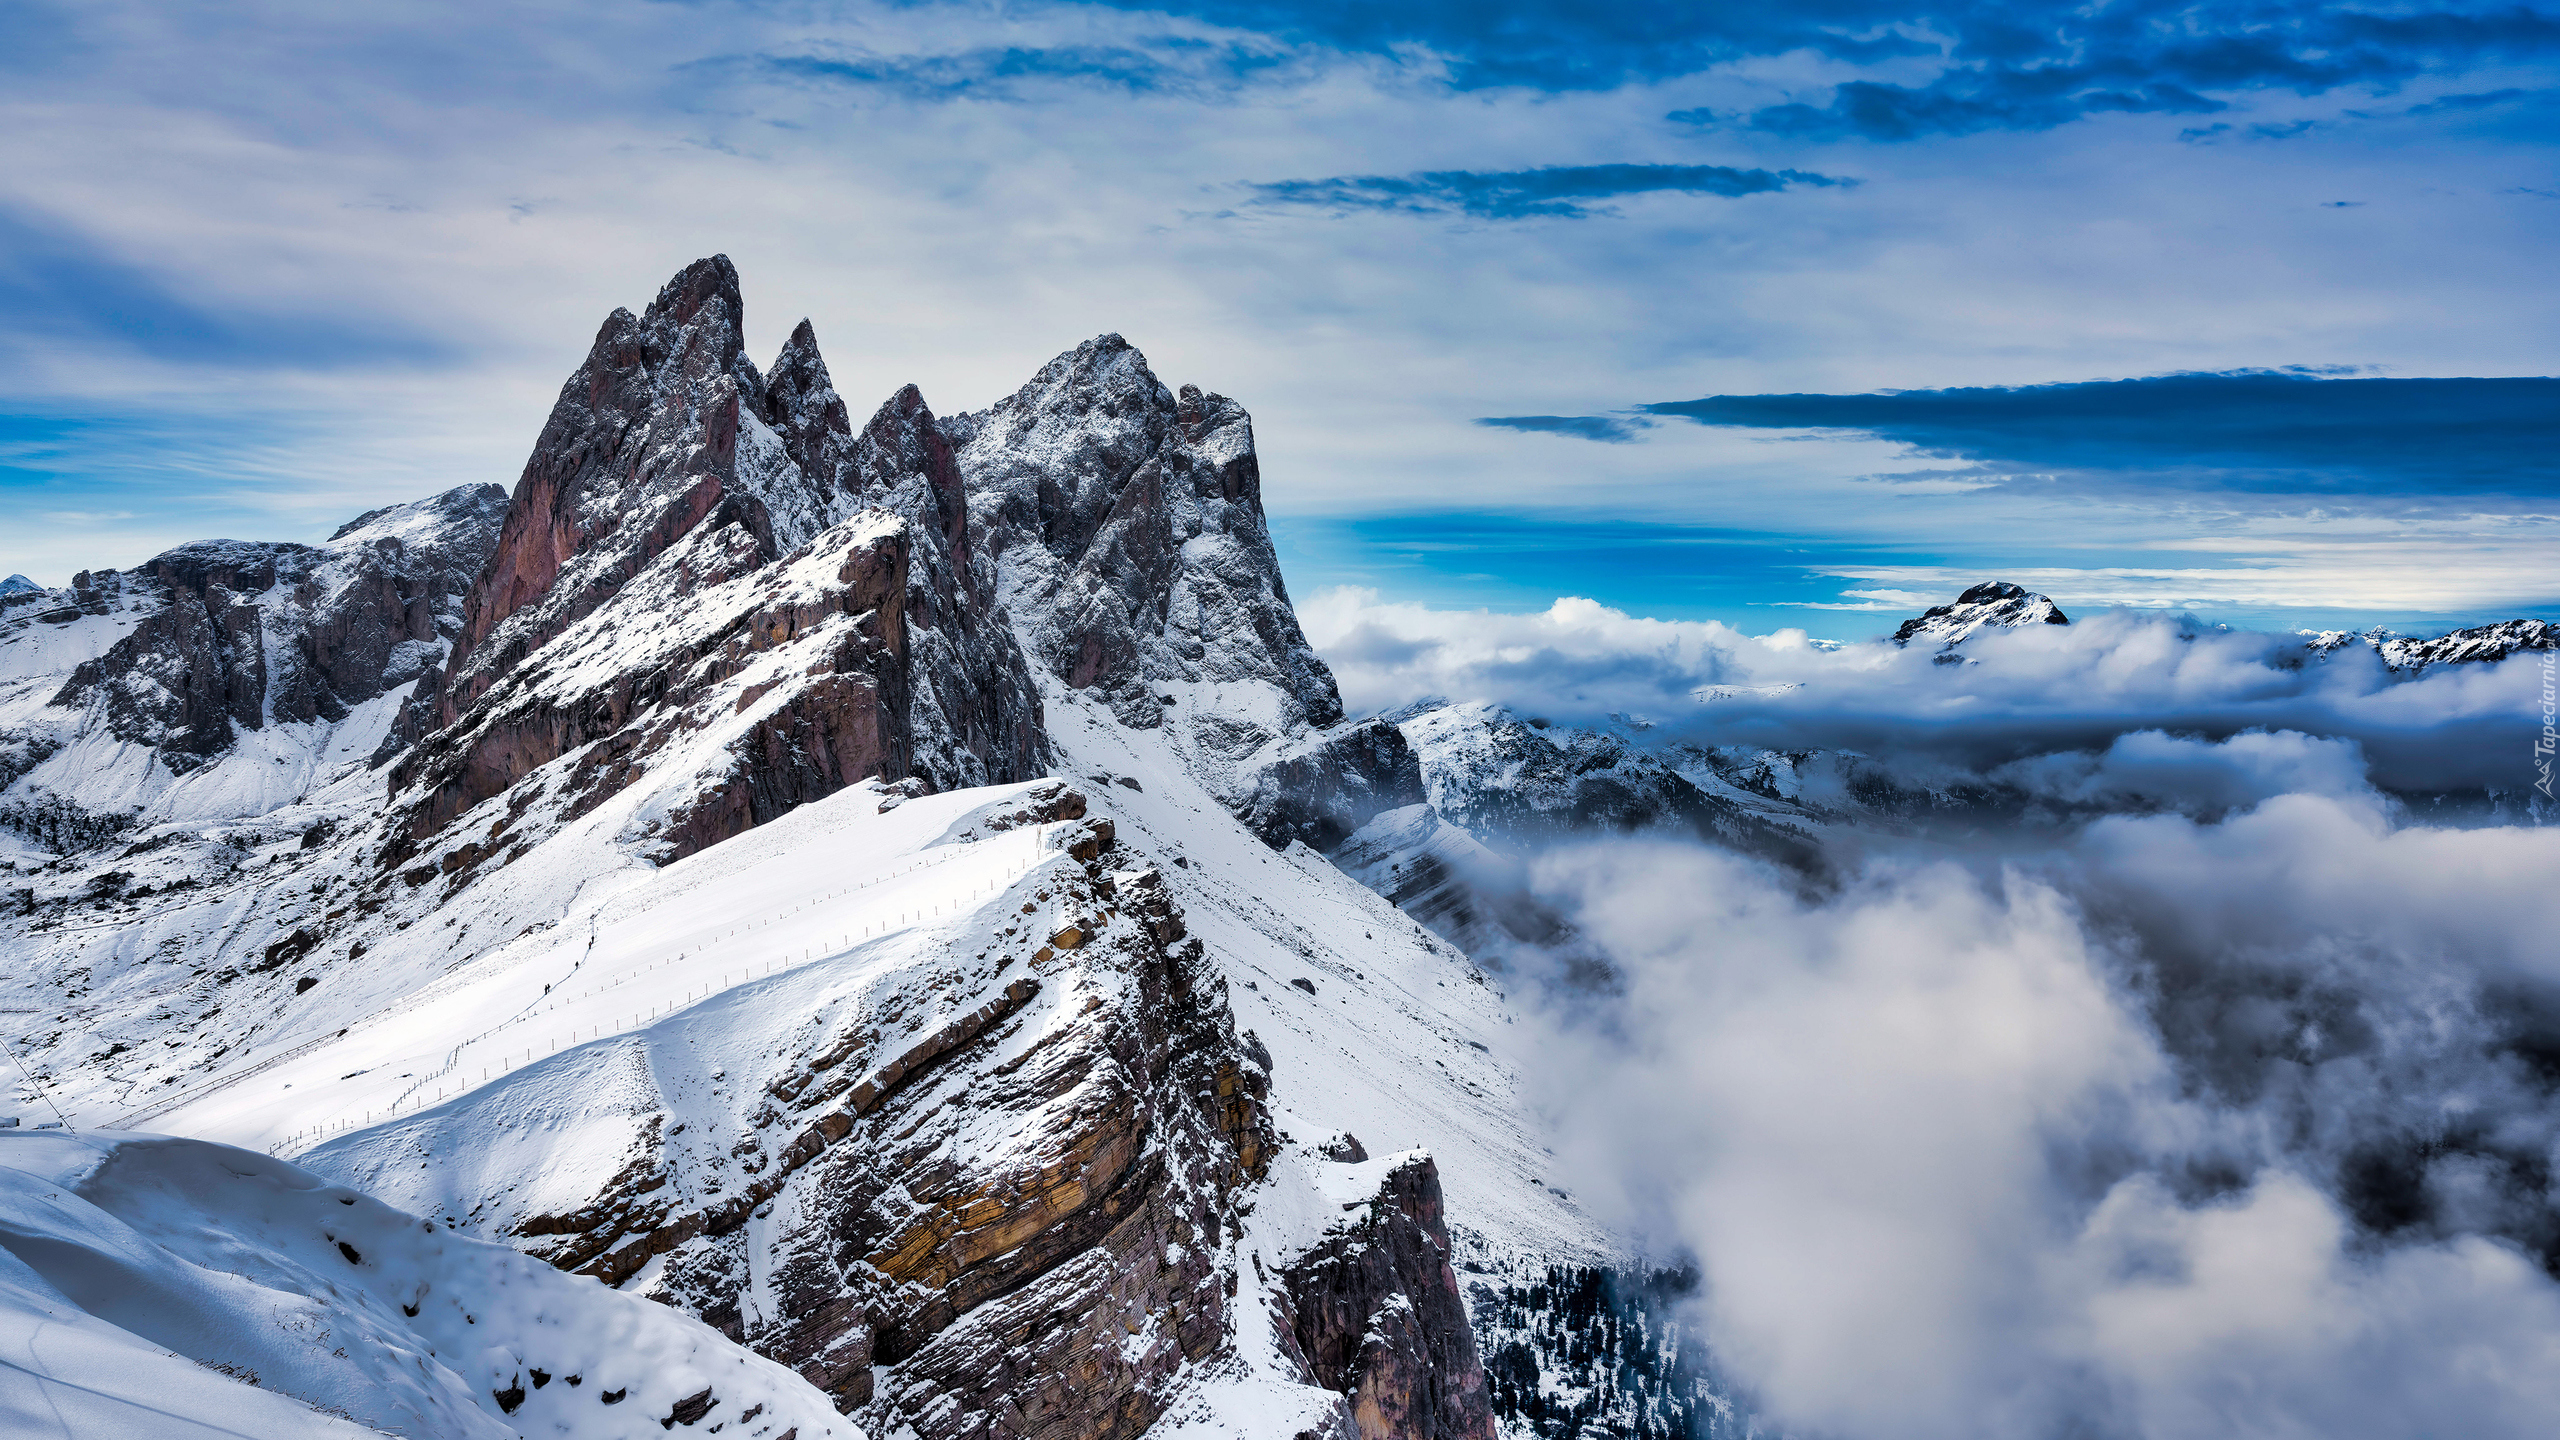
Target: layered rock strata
683	521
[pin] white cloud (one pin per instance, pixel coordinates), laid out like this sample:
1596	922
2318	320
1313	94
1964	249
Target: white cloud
2035	690
2173	1129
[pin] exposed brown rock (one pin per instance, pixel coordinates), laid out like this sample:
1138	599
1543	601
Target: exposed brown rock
640	448
999	1292
840	721
1378	1316
670	478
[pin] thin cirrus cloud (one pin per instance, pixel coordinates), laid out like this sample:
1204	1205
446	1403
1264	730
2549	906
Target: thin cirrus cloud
2015	67
2289	432
60	287
1551	191
1161	65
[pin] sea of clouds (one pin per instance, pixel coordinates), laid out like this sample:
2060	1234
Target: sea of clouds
2034	691
2227	1108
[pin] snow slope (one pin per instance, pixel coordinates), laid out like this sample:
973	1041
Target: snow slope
156	1287
652	1012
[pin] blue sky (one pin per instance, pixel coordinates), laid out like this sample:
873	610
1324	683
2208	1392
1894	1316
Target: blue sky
1781	315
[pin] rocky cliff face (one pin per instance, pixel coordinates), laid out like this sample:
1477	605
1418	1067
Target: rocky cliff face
172	666
694	548
1377	1314
1128	527
981	1193
736	689
250	634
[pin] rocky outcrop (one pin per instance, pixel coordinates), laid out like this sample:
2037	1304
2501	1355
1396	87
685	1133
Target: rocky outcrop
1324	788
1057	1285
747	689
1377	1314
1995	604
692	543
976	711
992	1199
641	447
1128	525
234	636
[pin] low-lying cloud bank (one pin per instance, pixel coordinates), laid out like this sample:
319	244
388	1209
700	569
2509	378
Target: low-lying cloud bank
2177	1129
2024	693
2223	1099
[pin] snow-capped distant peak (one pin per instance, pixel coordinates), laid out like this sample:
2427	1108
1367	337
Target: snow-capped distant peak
2481	644
19	585
1992	603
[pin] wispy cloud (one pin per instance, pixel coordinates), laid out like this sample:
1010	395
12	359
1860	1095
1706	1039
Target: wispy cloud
1608	429
2025	66
1558	191
59	286
1145	65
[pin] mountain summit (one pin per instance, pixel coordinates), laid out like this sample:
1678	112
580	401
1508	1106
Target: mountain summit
1991	604
846	880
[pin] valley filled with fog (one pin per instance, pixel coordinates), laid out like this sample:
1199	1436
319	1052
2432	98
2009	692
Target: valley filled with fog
2160	1037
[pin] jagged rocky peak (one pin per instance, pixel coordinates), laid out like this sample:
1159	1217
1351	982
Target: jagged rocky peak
663	428
1137	561
1993	603
711	582
155	673
1132	518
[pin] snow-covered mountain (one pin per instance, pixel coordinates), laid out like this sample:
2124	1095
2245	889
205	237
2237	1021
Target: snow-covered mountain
2478	645
1995	604
852	886
161	1287
227	679
18	585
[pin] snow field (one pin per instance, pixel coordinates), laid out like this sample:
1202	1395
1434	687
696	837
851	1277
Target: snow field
617	965
157	1287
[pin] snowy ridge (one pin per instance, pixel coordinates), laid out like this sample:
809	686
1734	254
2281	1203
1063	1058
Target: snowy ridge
713	939
2479	645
